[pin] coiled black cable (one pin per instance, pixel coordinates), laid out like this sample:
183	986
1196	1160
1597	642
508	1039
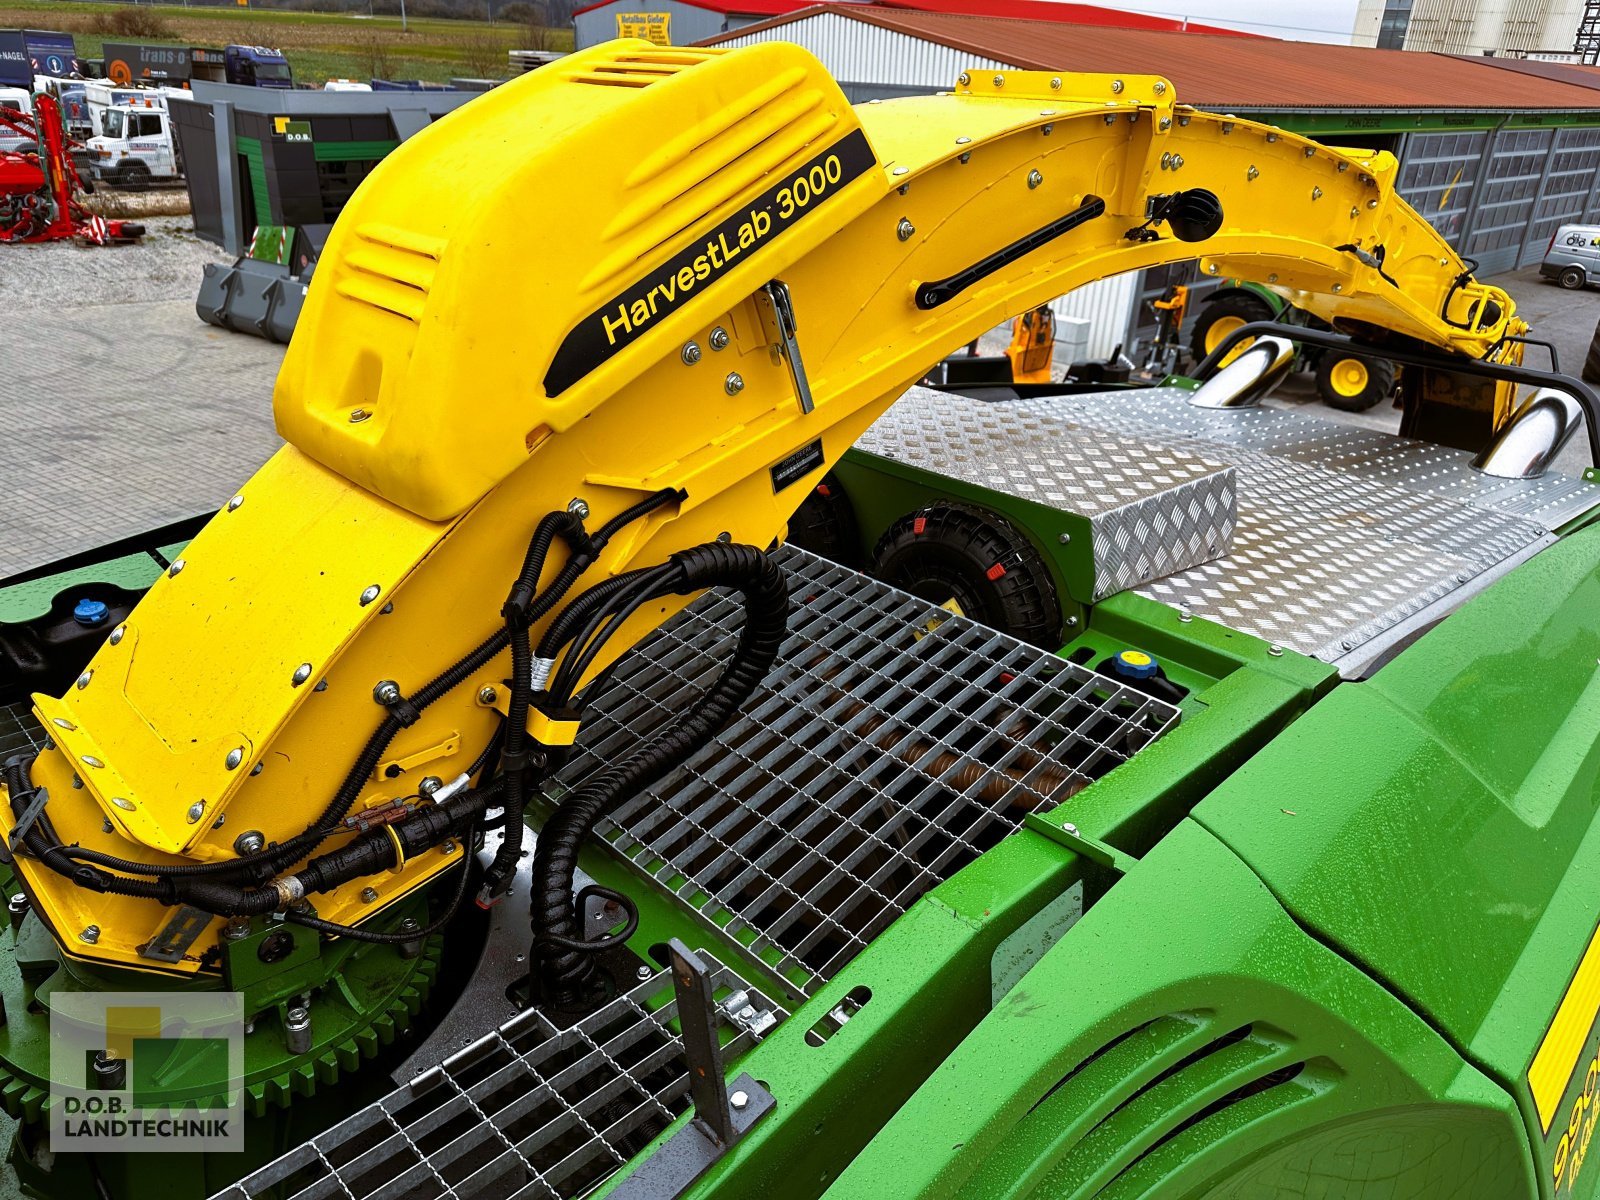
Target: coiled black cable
564	968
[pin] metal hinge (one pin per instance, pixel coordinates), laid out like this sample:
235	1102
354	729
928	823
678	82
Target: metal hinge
777	314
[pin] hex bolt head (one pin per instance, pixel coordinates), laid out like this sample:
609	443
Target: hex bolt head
233	505
487	695
83	680
196	811
370	594
740	1100
251	841
1069	827
176	568
999	81
90	934
641	974
690	353
358	416
369	895
719	338
1034	179
1116	87
386	692
1055	83
1166	124
235	757
905	229
733	384
18	904
1160	87
429	785
301	674
579	508
118	634
1275	651
236	929
963	79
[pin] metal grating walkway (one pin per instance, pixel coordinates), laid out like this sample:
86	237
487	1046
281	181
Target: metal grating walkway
891	745
20	733
528	1112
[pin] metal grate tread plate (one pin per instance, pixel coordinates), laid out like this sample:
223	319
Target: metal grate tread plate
892	744
20	733
527	1112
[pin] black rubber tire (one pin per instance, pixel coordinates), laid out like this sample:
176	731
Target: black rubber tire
1572	278
825	524
1380	382
1591	360
978	559
136	177
1248	308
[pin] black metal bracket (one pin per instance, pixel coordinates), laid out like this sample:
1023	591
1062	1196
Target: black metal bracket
1412	355
721	1115
937	291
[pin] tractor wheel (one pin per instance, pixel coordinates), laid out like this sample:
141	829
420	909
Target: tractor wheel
1572	278
825	524
975	562
1591	360
1351	383
1221	317
136	178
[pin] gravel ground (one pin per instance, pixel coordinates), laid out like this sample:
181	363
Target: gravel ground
59	275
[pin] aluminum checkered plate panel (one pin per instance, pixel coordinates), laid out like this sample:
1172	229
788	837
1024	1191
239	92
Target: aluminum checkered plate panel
1343	534
892	744
528	1112
1151	509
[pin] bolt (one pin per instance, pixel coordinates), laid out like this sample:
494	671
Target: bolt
1166	124
386	692
1372	204
233	505
739	1100
90	760
77	782
90	934
1034	179
1177	161
18	906
578	507
123	803
1252	174
999	81
301	674
1344	166
967	157
1316	193
1072	622
1275	651
297	1030
1272	137
905	229
899	170
448	846
1116	87
1354	211
733	384
368	895
963	140
410	949
236	930
196	811
1055	83
110	1072
1047	130
105	825
1273	278
370	594
1069	827
252	841
176	568
117	634
1184	614
386	609
719	338
643	973
358	416
1065	539
487	695
1227	127
429	785
963	79
235	757
222	818
690	353
1213	269
1160	87
83	680
322	686
1337	288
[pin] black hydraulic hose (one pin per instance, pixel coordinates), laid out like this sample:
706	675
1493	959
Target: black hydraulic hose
656	581
556	925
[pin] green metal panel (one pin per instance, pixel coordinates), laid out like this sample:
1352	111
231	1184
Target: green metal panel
251	149
352	151
1322	124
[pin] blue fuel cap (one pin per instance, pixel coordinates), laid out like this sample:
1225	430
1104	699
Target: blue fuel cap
1135	664
90	612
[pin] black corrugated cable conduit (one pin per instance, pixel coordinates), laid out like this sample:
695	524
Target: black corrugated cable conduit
563	970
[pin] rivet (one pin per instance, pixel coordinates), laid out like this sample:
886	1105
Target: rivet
1213	269
1034	179
1159	87
370	594
196	811
905	229
690	353
733	384
1055	83
1047	112
90	760
176	568
90	934
1273	278
1372	203
301	674
235	757
1116	87
62	723
1275	651
83	680
1065	539
1337	288
358	416
368	895
233	505
719	338
963	79
1310	151
963	140
1072	622
999	81
899	170
117	634
123	803
1069	827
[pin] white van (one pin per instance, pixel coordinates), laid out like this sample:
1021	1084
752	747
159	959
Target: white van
1573	256
21	100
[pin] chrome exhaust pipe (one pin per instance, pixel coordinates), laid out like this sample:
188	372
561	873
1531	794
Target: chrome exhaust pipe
1249	378
1529	441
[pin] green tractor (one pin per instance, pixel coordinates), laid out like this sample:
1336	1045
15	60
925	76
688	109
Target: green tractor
1349	382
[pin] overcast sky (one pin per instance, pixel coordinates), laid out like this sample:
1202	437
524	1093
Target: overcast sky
1305	20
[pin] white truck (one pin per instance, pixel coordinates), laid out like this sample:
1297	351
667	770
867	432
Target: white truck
135	146
21	100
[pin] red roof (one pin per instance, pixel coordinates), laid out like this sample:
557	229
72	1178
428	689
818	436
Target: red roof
1050	10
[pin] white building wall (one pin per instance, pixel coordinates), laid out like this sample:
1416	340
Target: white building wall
1478	26
855	52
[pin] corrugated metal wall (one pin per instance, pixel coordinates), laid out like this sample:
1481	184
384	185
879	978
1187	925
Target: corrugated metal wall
1106	305
858	53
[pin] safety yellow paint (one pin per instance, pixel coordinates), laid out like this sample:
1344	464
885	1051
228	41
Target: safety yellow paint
1220	329
425	444
1349	376
548	731
1563	1042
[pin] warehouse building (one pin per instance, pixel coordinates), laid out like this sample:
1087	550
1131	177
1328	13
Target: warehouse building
1495	152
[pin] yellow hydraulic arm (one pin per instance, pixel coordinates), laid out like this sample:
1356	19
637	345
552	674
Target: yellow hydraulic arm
635	269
